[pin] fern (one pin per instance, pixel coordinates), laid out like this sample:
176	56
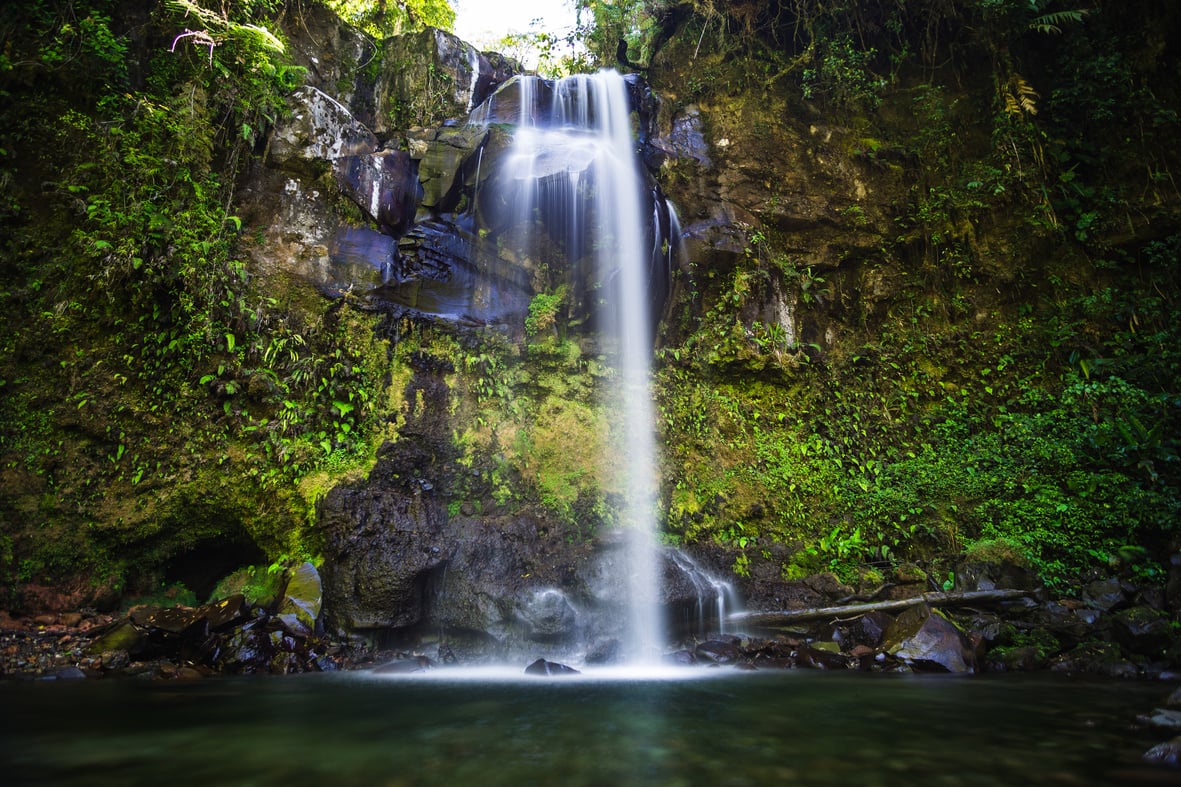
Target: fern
1020	97
1051	23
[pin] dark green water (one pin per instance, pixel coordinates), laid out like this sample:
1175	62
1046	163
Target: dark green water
793	727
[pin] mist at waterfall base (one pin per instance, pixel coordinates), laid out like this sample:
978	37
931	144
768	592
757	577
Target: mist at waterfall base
796	727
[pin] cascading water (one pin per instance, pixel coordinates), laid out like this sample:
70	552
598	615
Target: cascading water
572	179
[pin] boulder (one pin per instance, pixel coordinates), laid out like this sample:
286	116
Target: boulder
866	630
448	161
924	639
1143	631
1164	718
430	76
716	651
319	129
1167	753
820	658
384	185
1104	594
543	667
548	615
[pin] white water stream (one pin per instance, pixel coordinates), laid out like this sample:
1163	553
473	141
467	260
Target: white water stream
574	162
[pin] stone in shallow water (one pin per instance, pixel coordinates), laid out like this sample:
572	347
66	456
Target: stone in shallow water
717	651
1165	719
543	667
1167	753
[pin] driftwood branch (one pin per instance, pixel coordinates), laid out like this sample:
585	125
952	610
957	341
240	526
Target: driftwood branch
820	613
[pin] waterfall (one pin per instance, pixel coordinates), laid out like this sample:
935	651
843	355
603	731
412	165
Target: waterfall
573	180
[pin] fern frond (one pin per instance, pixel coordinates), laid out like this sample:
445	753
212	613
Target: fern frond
1052	23
1020	97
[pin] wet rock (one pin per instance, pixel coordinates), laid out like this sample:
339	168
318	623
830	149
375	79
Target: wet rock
175	620
1173	584
606	651
543	667
926	640
226	612
988	627
1019	659
65	673
818	658
125	636
1143	630
864	630
684	139
679	658
115	660
1104	594
549	616
406	666
1167	753
384	185
993	576
1095	658
449	160
1174	700
1164	718
302	599
716	651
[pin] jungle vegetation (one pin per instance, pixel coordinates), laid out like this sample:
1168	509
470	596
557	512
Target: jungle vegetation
1015	396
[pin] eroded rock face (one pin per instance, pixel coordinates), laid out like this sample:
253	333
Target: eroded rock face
319	129
384	185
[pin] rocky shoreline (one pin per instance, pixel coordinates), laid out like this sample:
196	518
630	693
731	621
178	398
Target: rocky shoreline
1002	620
1114	630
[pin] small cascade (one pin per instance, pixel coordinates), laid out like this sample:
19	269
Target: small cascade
571	187
716	599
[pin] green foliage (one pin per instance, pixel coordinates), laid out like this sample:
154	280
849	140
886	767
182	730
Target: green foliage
195	393
381	18
602	27
842	74
543	312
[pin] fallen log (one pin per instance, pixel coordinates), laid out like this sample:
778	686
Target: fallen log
788	616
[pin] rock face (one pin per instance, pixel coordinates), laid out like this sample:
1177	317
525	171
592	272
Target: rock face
318	131
430	76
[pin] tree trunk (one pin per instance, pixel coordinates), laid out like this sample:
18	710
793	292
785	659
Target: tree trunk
852	610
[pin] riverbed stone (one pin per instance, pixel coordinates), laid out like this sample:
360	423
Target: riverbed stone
1165	718
716	651
1143	630
926	640
1167	753
549	668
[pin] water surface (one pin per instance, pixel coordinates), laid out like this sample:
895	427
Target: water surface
730	728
